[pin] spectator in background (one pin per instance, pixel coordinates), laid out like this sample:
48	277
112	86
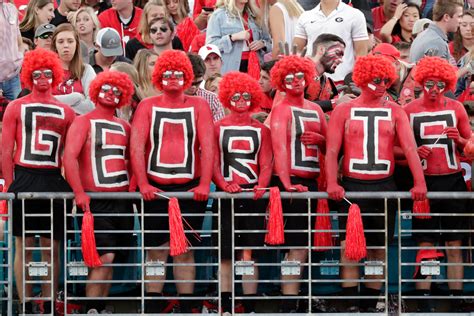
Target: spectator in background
37	12
199	69
186	29
144	62
74	89
10	55
62	13
97	5
202	11
283	16
212	83
404	49
152	10
109	50
26	45
463	40
338	18
126	112
43	35
434	41
372	40
400	27
212	59
266	85
383	13
123	17
161	34
87	25
236	28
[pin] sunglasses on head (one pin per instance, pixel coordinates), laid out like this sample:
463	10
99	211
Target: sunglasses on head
37	74
177	74
430	84
106	88
236	97
163	29
46	36
291	77
380	80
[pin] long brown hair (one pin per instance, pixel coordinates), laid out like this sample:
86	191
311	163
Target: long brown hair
76	66
29	20
457	39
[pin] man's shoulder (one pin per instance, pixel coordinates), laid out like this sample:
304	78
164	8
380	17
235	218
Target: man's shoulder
107	14
203	93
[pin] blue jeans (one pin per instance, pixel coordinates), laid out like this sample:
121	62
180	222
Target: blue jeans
11	87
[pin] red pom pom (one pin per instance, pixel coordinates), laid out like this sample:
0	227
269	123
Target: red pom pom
356	248
4	206
322	239
178	241
422	207
253	68
276	232
89	249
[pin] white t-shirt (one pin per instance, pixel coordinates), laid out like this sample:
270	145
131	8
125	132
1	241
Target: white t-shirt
346	22
290	23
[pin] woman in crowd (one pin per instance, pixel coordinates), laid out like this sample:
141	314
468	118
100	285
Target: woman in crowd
399	28
144	62
152	10
87	25
74	90
37	12
212	83
236	28
186	29
464	38
286	11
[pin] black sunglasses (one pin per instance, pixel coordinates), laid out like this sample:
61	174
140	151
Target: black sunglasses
236	97
163	29
379	80
37	74
106	88
45	35
430	84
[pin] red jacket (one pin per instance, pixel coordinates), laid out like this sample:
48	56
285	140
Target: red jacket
110	18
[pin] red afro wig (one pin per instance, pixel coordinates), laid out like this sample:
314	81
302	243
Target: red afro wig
173	60
291	64
369	67
113	78
234	82
436	68
41	59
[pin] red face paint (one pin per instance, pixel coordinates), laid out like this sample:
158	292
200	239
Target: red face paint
332	57
109	95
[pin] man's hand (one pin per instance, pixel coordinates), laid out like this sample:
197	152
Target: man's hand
205	14
201	192
258	192
418	192
335	192
345	98
232	188
256	45
83	201
424	152
312	138
148	191
296	188
452	133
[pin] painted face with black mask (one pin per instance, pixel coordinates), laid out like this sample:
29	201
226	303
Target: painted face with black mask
332	57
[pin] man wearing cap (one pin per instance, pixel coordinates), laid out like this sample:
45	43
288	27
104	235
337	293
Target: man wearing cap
43	35
109	50
212	59
419	26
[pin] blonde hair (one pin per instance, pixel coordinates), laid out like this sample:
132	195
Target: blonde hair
293	7
141	65
93	17
132	72
30	20
250	7
183	10
143	27
76	66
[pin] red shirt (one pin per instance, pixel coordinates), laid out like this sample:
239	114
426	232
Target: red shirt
110	18
459	55
379	20
199	4
69	85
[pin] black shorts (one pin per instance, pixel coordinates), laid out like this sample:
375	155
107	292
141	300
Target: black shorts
160	221
299	206
111	223
450	183
375	222
404	181
241	239
39	180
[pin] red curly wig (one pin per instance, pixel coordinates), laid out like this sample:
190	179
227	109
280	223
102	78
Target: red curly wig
369	67
291	64
234	82
173	60
113	78
437	68
38	59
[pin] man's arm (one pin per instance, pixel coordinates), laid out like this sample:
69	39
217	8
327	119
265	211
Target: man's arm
8	143
300	43
265	159
335	136
361	48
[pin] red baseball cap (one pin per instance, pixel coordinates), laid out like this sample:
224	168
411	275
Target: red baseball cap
386	49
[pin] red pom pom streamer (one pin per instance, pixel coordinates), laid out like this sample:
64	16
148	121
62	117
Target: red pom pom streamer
186	31
322	239
356	248
178	241
276	232
89	249
422	208
253	69
4	206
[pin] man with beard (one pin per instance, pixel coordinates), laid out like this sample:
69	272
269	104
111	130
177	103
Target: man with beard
328	51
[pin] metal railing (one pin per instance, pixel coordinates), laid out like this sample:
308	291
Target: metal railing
319	270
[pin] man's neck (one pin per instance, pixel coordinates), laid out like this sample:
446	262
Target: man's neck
319	68
42	96
433	104
102	61
173	97
327	6
370	100
240	118
442	26
161	49
295	99
387	13
126	12
104	111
